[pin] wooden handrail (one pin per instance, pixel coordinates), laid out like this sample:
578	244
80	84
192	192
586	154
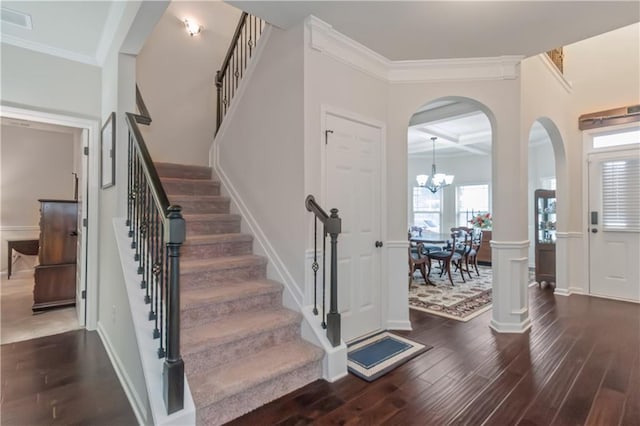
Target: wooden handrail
144	117
234	42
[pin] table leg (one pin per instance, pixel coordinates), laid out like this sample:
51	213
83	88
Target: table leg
9	250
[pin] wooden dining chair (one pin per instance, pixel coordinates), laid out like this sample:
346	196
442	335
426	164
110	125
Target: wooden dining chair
464	248
418	261
448	256
476	243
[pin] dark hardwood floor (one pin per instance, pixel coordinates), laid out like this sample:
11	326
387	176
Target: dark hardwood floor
62	379
579	364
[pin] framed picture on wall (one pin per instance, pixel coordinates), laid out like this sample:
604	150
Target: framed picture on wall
108	152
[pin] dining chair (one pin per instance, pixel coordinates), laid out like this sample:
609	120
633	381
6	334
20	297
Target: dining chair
465	248
418	261
476	243
446	257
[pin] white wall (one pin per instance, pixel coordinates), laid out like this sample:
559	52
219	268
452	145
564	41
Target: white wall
49	83
175	73
264	161
35	164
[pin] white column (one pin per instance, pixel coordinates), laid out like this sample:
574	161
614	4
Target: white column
570	264
510	264
396	311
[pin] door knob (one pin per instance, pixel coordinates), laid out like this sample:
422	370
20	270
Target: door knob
378	243
594	230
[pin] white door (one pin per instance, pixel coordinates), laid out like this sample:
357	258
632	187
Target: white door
614	225
81	254
353	187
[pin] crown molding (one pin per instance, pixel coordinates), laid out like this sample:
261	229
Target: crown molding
325	39
455	69
49	50
555	72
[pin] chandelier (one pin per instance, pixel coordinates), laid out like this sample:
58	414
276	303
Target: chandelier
437	180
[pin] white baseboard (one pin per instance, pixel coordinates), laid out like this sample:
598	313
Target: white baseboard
562	292
399	325
500	327
134	399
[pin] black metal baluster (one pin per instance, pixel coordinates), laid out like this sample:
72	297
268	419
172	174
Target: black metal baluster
315	265
151	258
163	337
158	272
324	275
129	178
136	200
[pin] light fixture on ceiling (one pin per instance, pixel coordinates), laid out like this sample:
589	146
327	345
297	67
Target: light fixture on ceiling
193	28
437	180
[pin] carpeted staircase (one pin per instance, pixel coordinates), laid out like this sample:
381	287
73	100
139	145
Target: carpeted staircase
240	346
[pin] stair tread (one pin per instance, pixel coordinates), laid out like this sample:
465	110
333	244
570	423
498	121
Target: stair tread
210	216
235	327
192	180
226	291
188	197
245	373
191	265
217	238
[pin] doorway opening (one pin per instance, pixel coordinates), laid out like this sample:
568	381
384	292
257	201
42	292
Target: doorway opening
450	139
46	178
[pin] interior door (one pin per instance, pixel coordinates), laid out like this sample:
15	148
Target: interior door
614	225
353	187
81	257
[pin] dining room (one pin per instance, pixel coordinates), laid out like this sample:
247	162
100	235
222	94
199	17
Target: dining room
449	189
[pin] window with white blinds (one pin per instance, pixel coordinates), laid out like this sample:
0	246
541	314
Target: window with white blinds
621	195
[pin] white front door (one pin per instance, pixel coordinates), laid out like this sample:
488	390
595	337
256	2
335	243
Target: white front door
614	225
353	164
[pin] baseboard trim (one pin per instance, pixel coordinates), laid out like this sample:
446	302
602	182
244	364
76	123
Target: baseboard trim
501	327
133	397
617	299
562	292
399	325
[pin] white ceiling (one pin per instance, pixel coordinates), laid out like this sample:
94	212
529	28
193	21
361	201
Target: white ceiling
77	30
460	129
413	30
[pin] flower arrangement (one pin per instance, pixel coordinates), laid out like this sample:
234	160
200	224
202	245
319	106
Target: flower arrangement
482	221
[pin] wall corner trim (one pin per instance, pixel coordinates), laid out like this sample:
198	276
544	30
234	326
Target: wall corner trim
325	39
566	85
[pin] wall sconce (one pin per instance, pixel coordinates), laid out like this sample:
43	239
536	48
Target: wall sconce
193	28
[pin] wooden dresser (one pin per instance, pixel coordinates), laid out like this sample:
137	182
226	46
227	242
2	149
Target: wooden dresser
55	275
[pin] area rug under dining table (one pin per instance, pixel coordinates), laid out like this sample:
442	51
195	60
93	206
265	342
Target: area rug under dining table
462	301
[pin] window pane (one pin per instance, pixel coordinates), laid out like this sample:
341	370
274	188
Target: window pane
621	195
427	221
473	197
617	139
425	200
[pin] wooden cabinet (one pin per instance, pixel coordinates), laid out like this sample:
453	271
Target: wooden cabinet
545	235
55	275
484	254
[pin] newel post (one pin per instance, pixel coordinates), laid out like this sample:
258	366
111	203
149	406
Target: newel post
333	227
173	371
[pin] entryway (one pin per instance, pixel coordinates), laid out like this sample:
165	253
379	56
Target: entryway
614	214
353	186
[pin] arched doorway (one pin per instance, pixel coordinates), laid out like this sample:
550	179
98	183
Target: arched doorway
450	138
547	206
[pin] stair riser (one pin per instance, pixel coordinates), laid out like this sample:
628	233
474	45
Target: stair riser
210	312
211	278
191	187
199	362
203	251
209	227
236	405
183	172
203	207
